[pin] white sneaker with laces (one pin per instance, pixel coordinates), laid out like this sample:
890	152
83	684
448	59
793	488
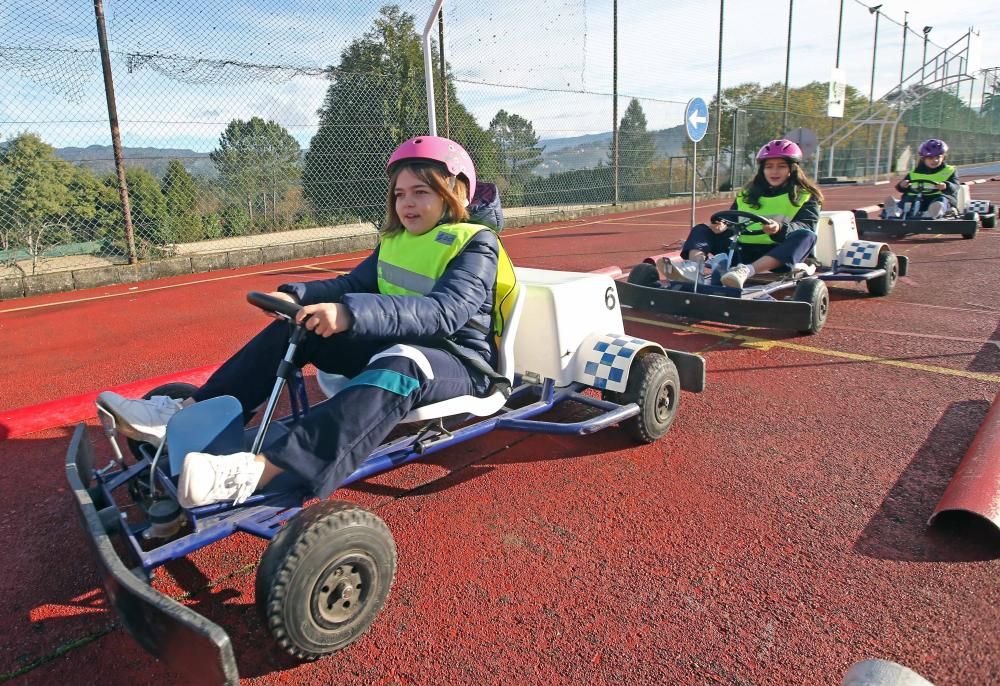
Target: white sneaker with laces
935	210
143	420
207	479
676	269
737	276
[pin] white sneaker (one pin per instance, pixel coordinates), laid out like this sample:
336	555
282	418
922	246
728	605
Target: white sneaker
891	209
207	479
935	210
737	276
676	269
143	420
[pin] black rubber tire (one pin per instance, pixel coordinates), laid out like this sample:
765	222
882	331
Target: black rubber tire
644	274
654	385
970	236
175	389
325	577
883	285
814	291
989	220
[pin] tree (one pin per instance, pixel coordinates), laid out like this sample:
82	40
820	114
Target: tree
257	160
636	150
149	210
180	194
517	145
36	202
375	101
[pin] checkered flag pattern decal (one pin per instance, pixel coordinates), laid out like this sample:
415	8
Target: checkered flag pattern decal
978	206
860	254
607	363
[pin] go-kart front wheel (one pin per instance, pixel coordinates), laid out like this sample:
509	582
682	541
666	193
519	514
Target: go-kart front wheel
813	291
883	285
654	385
325	577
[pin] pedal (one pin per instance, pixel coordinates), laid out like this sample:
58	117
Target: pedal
801	270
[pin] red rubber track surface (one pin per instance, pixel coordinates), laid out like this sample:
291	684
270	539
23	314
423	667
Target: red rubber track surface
776	535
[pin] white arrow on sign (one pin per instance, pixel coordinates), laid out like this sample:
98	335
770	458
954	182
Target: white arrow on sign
697	119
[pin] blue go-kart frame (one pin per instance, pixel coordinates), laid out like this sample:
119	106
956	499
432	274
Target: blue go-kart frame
188	642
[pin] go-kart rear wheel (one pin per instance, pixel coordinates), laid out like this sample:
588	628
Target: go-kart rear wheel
814	292
176	389
325	577
883	285
989	220
654	385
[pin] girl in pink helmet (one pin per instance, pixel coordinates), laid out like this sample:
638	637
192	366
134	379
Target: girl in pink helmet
938	187
781	191
431	278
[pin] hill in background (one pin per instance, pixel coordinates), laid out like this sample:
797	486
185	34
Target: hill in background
560	154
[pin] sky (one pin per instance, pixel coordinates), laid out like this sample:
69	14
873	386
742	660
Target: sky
547	60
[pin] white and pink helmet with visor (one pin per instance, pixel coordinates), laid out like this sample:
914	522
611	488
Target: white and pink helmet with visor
781	149
436	149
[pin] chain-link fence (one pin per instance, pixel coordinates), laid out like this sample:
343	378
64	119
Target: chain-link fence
258	123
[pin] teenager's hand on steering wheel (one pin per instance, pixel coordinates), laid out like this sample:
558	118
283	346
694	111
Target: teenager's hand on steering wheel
281	296
325	319
771	227
905	183
941	186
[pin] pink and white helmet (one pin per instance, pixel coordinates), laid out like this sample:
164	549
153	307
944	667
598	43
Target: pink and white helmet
436	149
780	149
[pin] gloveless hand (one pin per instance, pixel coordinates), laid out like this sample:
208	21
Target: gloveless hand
325	319
772	227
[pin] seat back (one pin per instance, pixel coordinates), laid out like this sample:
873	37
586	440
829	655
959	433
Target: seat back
505	348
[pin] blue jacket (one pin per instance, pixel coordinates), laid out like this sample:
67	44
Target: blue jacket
462	296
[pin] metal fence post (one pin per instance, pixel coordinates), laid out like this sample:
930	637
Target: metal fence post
116	142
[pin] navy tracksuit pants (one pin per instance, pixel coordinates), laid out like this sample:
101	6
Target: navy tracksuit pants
796	247
336	436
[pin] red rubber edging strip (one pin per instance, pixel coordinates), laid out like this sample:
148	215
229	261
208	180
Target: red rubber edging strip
22	421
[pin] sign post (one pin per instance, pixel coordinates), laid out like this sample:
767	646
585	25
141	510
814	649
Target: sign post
696	126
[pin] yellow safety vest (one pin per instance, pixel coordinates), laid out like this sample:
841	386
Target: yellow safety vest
940	175
777	206
412	265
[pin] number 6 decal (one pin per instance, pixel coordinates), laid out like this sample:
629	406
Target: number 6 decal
609	298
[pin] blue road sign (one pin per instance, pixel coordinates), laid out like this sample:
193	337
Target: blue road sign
696	119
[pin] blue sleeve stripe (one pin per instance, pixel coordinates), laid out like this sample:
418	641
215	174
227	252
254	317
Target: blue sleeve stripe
387	380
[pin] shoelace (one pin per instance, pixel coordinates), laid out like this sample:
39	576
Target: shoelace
165	401
244	483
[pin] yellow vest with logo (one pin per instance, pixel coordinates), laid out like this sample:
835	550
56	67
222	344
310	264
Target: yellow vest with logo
940	175
412	265
777	206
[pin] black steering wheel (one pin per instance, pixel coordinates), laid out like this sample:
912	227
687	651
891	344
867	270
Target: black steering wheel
278	306
738	217
921	186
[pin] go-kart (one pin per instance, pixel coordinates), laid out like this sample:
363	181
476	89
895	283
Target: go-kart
965	218
839	256
328	568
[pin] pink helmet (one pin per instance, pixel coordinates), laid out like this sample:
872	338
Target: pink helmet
436	149
780	149
932	147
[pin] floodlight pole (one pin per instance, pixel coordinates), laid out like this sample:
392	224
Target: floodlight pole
788	59
429	68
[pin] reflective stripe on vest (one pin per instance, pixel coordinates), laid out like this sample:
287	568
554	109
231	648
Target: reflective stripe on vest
940	175
777	206
411	265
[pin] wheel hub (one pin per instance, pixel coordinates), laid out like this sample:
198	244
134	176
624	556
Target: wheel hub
664	402
340	592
